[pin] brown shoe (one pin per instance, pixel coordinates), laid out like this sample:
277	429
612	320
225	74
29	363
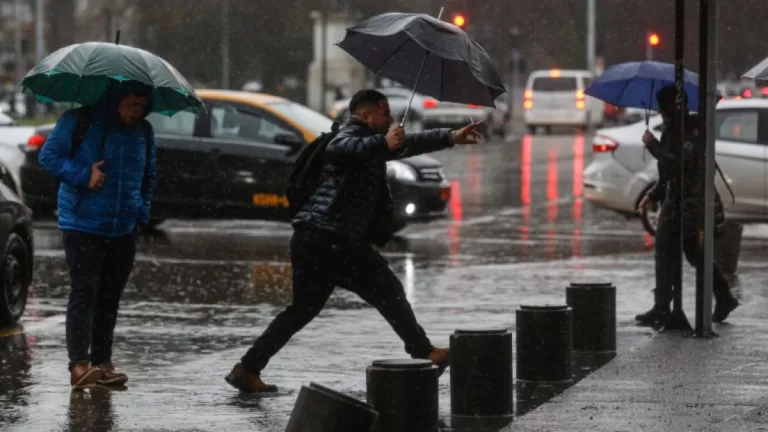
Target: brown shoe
84	375
441	357
247	382
110	377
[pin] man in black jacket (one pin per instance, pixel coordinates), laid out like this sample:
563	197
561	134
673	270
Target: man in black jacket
667	188
333	232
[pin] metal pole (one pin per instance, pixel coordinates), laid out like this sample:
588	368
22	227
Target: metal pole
225	45
708	38
418	78
679	321
39	30
591	34
648	48
323	59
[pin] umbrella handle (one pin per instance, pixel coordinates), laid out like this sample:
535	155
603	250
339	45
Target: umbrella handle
418	78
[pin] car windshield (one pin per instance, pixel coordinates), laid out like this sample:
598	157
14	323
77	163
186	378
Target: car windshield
554	84
308	118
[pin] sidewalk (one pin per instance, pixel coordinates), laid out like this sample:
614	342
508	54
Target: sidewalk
672	383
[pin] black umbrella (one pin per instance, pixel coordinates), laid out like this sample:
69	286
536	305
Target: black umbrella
433	57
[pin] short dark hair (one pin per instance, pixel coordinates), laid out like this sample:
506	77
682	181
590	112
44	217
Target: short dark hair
667	99
364	99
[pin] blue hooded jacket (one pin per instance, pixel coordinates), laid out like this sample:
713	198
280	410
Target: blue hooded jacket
126	195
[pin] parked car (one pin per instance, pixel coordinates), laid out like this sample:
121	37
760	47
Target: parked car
556	98
234	161
18	258
622	171
11	156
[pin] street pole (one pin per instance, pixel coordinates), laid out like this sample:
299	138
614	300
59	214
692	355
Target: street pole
323	59
225	45
679	321
708	40
591	34
19	54
648	48
40	30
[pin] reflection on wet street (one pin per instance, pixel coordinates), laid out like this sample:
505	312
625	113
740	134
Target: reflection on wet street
517	232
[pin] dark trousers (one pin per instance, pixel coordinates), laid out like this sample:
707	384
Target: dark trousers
321	261
99	268
667	258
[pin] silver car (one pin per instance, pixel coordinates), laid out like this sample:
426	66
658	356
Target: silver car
622	170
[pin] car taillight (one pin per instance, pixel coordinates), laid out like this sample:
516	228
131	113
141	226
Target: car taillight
430	103
528	99
601	144
35	143
474	106
580	99
764	91
747	93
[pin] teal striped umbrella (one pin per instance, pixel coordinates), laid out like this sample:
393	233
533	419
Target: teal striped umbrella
81	73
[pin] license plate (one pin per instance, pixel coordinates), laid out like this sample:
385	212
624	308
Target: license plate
445	193
270	200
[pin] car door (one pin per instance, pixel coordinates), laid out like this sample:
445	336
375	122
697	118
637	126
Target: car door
252	168
741	155
182	177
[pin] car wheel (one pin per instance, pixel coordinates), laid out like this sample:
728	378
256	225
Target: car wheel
650	218
13	277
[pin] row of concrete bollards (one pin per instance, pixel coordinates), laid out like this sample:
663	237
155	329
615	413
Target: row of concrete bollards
402	395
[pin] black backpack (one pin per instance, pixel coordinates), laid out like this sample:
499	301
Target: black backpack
305	175
84	118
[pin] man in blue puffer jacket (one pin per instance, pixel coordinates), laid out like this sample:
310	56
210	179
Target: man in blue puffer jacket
105	193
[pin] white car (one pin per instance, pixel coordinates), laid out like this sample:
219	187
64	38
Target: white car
622	170
13	138
556	98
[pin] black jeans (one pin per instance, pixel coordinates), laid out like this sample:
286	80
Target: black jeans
667	258
321	261
99	268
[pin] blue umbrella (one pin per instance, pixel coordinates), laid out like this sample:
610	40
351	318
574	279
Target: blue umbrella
635	85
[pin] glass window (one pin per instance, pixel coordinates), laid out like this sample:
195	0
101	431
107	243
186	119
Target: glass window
737	125
231	123
182	123
554	84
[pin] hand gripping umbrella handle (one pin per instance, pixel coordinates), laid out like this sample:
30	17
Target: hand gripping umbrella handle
418	78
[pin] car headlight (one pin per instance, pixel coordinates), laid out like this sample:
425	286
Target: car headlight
400	171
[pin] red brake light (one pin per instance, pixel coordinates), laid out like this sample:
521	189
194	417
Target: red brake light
764	91
747	93
35	142
601	144
474	106
430	103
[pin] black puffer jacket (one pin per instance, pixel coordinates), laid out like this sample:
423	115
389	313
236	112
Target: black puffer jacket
353	197
667	188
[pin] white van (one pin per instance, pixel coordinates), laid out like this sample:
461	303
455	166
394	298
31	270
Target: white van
556	98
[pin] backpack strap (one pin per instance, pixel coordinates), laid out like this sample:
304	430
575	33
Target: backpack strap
83	123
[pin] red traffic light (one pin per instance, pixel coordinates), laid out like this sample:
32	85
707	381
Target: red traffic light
654	39
459	20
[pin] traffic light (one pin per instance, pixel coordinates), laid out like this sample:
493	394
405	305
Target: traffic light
459	20
654	40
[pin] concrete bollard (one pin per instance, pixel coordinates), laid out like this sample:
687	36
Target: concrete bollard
544	343
320	409
594	316
482	396
404	392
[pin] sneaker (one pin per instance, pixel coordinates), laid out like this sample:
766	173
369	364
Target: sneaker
110	377
441	357
247	382
84	375
723	308
656	315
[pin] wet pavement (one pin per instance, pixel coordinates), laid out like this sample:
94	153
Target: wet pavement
517	233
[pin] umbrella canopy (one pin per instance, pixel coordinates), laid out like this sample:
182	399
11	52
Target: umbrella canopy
759	73
635	84
80	74
395	46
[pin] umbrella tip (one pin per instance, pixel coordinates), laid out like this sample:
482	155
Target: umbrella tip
117	38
